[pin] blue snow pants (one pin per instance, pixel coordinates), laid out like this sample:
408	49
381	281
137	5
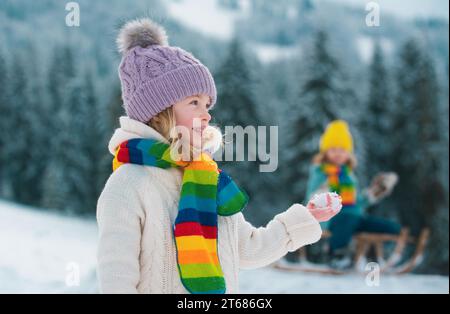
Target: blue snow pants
343	226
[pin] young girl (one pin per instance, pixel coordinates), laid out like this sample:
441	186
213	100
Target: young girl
168	225
332	170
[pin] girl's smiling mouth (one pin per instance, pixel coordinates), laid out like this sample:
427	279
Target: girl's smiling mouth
200	130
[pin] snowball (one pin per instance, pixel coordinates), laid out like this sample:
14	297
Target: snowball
327	200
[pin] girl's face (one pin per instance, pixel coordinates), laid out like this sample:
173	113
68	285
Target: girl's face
192	115
337	156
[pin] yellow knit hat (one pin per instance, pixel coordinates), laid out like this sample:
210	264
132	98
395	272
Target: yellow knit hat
337	135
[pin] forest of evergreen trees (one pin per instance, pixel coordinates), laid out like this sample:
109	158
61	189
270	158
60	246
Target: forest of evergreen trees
56	121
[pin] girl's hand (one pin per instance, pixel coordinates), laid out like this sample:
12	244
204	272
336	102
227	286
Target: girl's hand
382	185
325	213
322	214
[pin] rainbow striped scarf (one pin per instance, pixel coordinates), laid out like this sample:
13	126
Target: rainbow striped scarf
205	193
340	180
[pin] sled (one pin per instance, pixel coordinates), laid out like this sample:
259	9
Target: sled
418	255
391	264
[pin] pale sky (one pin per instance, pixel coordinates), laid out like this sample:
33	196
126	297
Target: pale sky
407	8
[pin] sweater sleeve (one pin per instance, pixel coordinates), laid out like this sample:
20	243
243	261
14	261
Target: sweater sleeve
286	232
119	216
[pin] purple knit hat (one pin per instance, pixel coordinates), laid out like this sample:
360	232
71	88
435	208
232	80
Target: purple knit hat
154	75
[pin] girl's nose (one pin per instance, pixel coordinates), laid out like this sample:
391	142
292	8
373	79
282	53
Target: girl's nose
206	116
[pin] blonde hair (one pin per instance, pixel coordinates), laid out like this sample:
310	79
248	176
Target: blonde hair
322	157
165	123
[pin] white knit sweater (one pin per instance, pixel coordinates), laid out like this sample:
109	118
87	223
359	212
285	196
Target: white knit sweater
135	214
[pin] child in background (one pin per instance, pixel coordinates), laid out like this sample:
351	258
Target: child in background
332	170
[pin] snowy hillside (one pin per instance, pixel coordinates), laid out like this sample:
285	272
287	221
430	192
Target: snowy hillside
39	250
366	46
277	30
202	14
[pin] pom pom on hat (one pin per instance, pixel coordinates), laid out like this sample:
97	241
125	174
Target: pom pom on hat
141	32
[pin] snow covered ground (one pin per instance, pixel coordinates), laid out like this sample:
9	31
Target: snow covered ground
40	251
256	281
43	252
